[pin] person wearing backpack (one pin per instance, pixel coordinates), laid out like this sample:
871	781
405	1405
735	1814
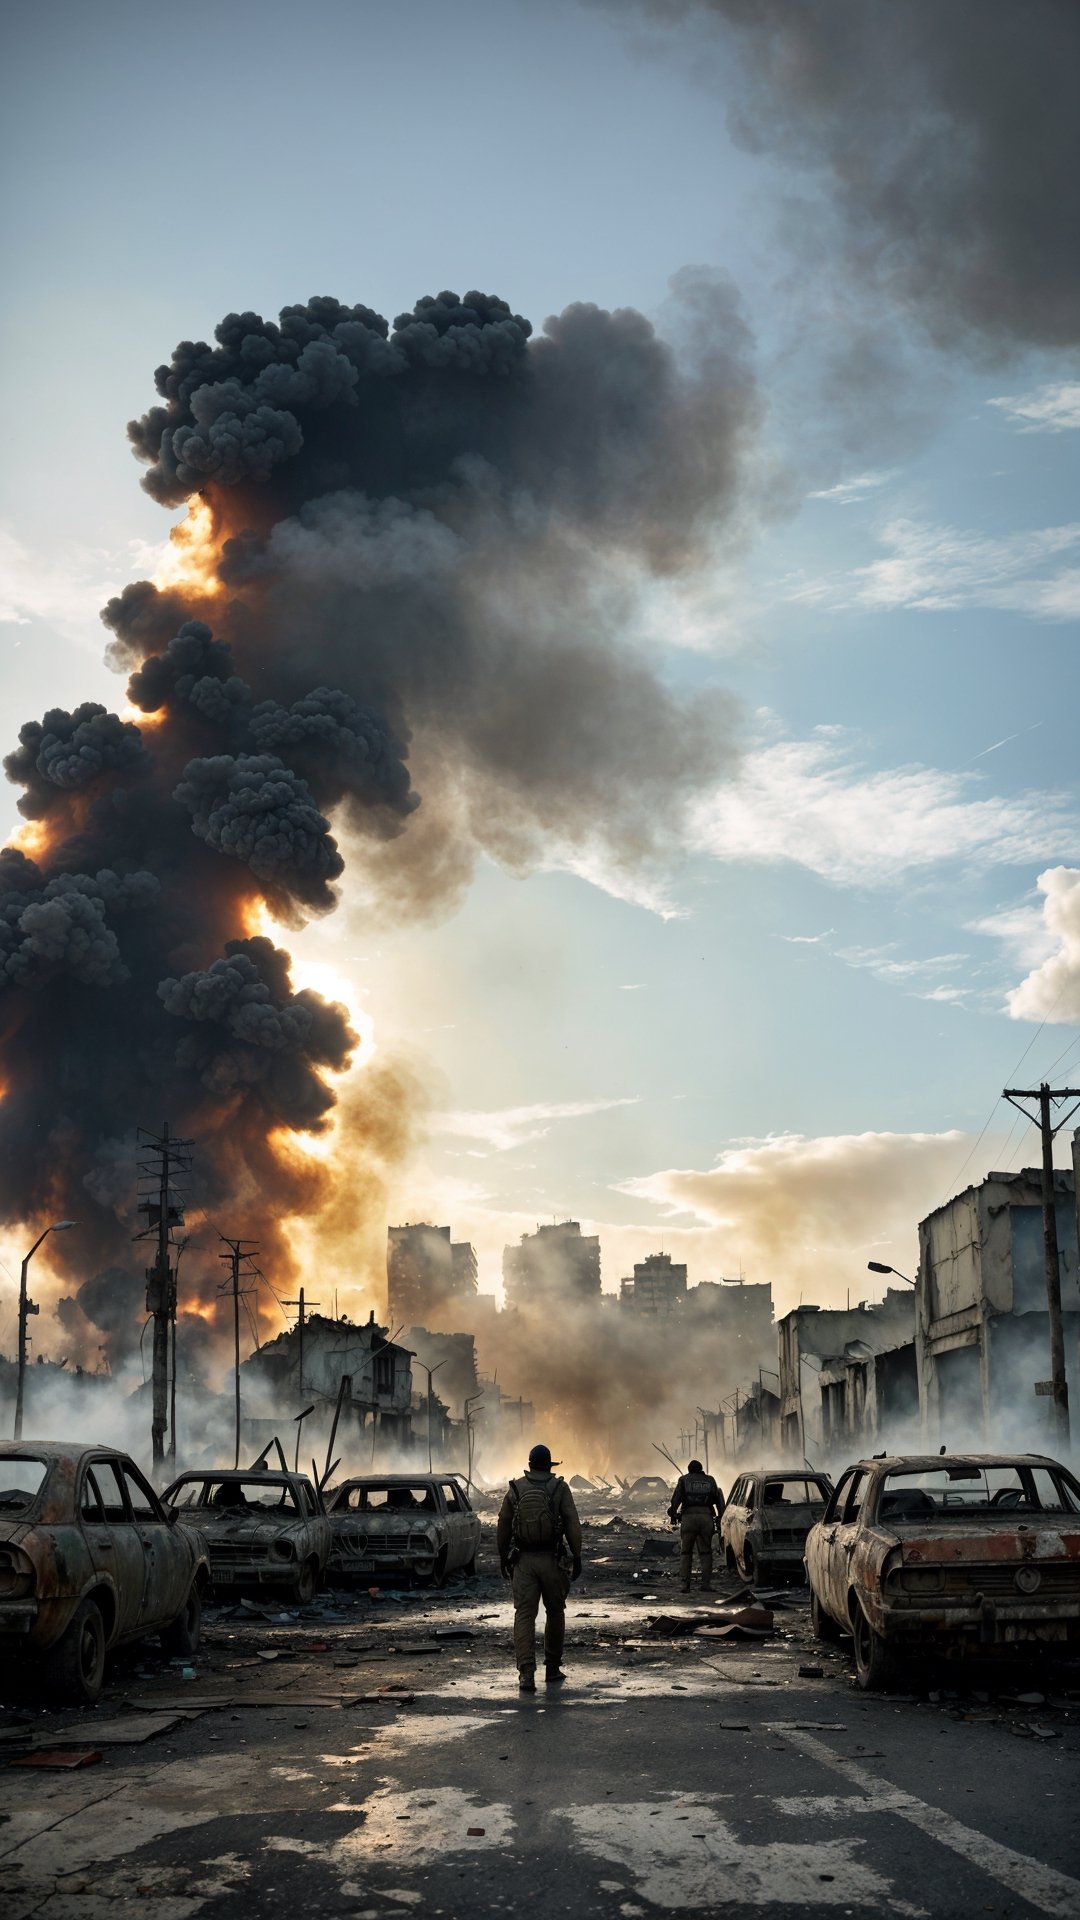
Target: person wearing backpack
696	1506
539	1541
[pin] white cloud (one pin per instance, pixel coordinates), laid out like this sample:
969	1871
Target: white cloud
808	1213
846	492
508	1127
1049	409
810	802
945	570
596	866
808	939
1051	990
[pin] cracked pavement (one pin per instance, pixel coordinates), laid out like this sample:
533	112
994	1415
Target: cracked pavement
668	1774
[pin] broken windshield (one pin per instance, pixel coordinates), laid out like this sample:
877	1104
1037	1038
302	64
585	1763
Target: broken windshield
256	1495
372	1498
960	1491
21	1481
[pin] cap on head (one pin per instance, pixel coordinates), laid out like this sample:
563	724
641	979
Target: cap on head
695	1467
540	1459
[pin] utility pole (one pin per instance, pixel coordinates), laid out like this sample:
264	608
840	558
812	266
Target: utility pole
299	1304
234	1259
1047	1097
160	1159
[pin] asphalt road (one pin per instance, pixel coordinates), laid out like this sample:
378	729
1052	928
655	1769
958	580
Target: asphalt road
668	1775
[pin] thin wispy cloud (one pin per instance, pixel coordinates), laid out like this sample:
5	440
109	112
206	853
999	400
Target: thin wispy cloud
505	1128
1054	408
847	492
813	804
1007	741
938	569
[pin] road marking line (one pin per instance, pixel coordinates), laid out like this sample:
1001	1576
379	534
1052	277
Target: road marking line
1028	1879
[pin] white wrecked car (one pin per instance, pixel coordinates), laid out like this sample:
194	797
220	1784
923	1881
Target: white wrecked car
261	1529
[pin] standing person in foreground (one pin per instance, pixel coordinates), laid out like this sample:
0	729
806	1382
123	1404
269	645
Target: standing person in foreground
696	1506
539	1540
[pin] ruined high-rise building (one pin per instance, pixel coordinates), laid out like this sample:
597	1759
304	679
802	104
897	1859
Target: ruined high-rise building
557	1262
658	1287
427	1274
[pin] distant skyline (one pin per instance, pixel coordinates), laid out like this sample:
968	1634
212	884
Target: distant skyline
776	1046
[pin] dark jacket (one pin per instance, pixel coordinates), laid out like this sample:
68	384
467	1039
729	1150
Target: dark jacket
567	1512
696	1490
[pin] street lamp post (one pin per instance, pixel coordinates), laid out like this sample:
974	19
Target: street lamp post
429	1371
875	1266
26	1308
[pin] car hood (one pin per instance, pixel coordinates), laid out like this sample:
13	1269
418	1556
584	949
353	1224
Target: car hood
399	1522
219	1528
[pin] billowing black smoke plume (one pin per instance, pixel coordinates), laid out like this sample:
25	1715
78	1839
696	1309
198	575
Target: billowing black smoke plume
947	134
424	541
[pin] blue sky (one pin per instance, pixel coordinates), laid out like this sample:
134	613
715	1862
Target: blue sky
785	1046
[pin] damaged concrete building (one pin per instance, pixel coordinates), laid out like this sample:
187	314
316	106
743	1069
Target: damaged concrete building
982	1331
832	1394
306	1364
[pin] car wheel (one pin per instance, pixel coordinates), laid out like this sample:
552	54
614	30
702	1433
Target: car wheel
874	1662
469	1568
438	1571
730	1561
75	1668
823	1624
749	1568
181	1637
302	1591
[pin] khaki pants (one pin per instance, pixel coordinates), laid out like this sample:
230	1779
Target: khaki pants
536	1577
696	1527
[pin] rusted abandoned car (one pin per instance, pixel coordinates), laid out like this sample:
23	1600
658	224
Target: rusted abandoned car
90	1559
422	1526
262	1529
947	1554
768	1515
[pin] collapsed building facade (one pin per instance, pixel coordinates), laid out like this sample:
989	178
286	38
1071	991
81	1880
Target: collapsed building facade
306	1365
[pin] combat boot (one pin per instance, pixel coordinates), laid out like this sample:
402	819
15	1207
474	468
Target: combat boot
553	1675
526	1679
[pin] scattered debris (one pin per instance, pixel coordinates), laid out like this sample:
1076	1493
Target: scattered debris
58	1760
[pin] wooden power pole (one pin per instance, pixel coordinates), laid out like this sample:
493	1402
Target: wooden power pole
1046	1097
239	1251
161	1159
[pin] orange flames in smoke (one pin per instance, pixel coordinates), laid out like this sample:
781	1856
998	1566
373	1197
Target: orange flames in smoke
190	559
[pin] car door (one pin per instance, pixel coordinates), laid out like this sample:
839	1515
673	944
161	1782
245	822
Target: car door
822	1549
457	1521
166	1550
730	1517
113	1539
844	1544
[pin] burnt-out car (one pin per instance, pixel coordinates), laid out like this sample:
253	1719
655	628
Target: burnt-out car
90	1559
975	1555
768	1515
262	1529
420	1526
